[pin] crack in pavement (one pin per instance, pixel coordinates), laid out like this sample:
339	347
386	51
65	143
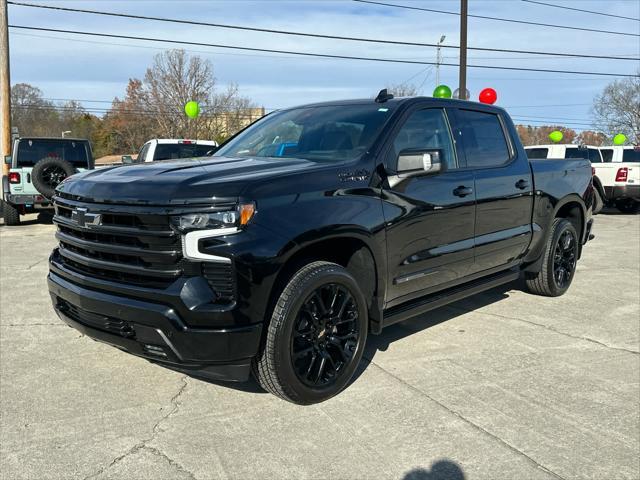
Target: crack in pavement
548	327
154	432
37	263
467	421
172	462
54	324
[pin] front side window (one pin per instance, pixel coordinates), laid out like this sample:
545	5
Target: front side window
426	130
484	142
326	133
143	152
537	153
169	151
594	155
576	153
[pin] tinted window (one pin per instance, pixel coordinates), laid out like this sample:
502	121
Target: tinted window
629	155
323	133
607	154
537	153
31	151
483	137
167	151
426	130
143	152
594	155
576	153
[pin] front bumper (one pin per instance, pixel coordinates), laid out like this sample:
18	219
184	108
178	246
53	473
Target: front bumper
620	192
155	331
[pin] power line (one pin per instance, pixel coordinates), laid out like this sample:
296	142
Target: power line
316	55
512	20
582	10
315	35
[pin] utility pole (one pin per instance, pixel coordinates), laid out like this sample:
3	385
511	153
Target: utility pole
439	59
5	88
463	49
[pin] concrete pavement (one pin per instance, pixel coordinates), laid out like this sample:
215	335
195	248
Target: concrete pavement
504	385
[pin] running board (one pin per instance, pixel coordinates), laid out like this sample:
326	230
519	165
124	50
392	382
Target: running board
439	299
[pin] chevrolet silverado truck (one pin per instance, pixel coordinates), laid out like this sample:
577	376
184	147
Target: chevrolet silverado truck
309	230
36	167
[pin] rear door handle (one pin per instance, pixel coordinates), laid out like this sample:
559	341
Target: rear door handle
522	184
462	191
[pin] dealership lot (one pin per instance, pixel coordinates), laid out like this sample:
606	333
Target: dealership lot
501	385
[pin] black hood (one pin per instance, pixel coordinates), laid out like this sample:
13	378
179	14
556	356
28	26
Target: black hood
177	182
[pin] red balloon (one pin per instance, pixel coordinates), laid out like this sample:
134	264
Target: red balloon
488	95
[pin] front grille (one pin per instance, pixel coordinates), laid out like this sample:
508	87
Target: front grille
100	322
123	247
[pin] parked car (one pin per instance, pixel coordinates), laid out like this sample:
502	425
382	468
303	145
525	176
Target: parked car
37	166
615	185
171	149
620	175
309	230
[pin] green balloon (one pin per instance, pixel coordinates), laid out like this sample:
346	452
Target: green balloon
619	139
192	109
555	136
442	91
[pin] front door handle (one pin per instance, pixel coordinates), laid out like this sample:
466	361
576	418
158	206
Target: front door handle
522	184
462	191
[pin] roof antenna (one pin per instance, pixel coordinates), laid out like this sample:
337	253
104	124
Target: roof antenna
383	96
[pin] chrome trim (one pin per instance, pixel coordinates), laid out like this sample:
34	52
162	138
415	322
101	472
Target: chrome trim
190	244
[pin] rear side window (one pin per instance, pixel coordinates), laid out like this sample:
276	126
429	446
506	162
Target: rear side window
607	154
629	155
484	142
537	153
167	151
576	153
31	151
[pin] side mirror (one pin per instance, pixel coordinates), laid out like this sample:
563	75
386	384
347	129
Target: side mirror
7	159
127	159
419	162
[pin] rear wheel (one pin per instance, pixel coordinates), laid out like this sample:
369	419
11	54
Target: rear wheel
11	214
559	261
628	206
316	336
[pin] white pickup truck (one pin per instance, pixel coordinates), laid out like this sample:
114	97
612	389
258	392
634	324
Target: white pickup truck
171	149
616	171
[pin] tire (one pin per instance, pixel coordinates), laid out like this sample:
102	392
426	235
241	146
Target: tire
11	214
628	206
293	363
48	173
549	281
598	204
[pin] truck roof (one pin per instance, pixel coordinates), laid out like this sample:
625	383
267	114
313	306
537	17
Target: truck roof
397	101
55	138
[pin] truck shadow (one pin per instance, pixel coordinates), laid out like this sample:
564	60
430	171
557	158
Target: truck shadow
399	331
440	470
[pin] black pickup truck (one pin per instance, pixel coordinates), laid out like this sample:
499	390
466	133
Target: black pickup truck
309	230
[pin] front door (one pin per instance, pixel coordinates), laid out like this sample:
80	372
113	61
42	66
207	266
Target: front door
430	218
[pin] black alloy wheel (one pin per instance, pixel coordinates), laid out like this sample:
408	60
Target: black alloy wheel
325	335
315	337
52	175
564	259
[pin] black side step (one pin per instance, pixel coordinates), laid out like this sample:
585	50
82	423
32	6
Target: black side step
439	299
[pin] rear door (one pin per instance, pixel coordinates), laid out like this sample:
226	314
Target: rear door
429	218
503	187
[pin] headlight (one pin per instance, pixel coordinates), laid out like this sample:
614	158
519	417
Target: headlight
215	220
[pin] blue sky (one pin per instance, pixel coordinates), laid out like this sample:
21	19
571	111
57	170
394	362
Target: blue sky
64	67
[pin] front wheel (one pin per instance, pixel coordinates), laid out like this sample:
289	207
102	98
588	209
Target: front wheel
316	336
628	206
559	261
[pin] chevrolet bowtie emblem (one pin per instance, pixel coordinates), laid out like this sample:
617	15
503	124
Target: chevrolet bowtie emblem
85	219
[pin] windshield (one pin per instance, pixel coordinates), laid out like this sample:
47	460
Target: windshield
629	155
325	133
32	150
167	151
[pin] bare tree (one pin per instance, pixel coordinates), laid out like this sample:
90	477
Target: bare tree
617	109
537	135
403	90
589	137
31	113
